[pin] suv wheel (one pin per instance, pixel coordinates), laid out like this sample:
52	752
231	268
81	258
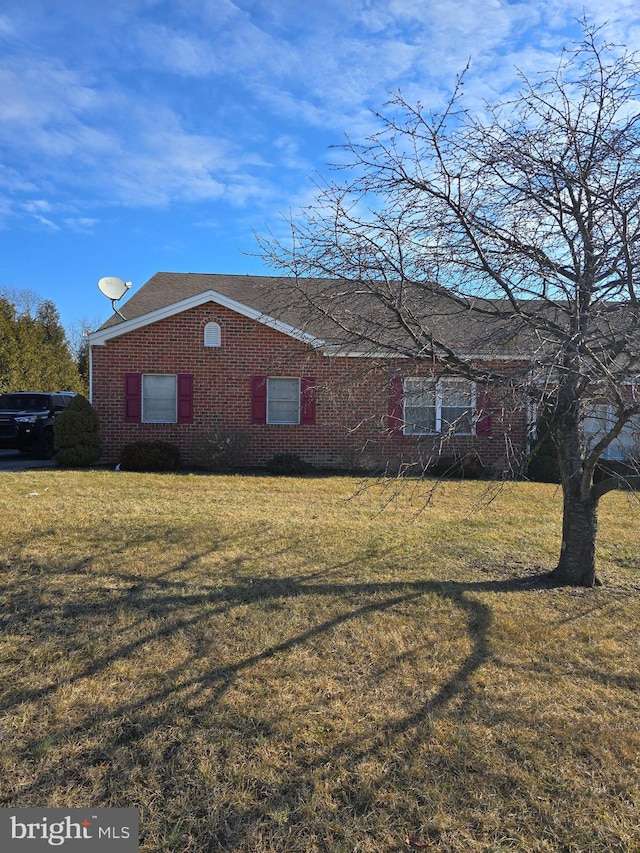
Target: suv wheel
45	448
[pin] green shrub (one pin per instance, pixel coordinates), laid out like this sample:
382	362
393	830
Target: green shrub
77	434
288	464
468	467
150	456
542	465
616	468
221	450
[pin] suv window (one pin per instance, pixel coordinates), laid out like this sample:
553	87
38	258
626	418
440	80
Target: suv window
22	402
59	401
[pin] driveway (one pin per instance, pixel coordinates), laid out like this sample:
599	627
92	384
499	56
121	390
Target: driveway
13	460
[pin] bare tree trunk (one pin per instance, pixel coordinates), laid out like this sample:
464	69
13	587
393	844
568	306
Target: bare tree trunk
577	563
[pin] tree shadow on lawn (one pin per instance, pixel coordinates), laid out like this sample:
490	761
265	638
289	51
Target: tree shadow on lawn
144	736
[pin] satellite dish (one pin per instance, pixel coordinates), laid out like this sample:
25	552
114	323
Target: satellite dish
114	289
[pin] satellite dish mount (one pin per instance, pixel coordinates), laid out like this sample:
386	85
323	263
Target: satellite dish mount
114	289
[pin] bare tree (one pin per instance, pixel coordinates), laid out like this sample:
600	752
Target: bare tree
524	219
26	301
78	332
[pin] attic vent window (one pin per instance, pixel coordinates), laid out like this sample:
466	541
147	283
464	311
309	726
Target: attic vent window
212	335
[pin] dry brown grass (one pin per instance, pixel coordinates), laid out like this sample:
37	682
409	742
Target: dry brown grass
262	664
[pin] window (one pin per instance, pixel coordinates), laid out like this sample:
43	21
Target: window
212	335
283	401
456	405
596	423
627	444
442	406
159	399
419	406
599	419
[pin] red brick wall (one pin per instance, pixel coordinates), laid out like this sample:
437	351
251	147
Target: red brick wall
352	396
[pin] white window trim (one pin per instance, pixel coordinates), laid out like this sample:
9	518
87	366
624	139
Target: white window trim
291	379
438	402
146	420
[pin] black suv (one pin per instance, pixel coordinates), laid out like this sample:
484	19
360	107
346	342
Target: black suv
26	420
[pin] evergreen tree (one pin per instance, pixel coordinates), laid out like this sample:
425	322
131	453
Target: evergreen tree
34	351
8	347
58	369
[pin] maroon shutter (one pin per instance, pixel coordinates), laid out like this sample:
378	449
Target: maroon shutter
132	396
259	399
185	398
308	400
396	407
484	424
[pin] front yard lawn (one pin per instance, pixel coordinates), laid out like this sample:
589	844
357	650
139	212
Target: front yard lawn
274	665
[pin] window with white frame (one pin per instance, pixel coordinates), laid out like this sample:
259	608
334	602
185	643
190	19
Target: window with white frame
599	419
442	406
159	399
283	401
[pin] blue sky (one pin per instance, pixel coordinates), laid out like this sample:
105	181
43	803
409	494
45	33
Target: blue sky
146	135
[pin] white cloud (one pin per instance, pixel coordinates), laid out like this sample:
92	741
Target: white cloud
81	224
38	205
139	102
177	52
48	224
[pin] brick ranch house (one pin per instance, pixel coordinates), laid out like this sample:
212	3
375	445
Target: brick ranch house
197	353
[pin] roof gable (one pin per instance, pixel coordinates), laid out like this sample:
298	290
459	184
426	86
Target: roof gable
113	330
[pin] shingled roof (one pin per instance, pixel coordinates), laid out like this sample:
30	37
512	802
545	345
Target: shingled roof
335	315
168	288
